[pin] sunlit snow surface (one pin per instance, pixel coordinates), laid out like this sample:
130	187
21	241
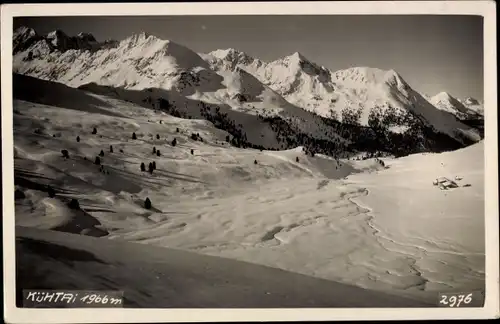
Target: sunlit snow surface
348	221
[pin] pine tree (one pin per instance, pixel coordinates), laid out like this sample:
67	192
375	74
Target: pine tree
97	160
151	168
51	192
297	159
94	131
255	162
78	139
65	154
154	149
74	204
143	167
111	148
192	152
177	129
154	165
101	153
134	136
174	142
18	194
147	203
157	136
157	152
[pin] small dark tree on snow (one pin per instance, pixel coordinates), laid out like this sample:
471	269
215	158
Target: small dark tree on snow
97	160
297	159
18	194
154	149
65	154
134	136
74	204
192	152
157	152
101	153
227	138
143	167
151	168
255	162
121	151
177	129
147	203
51	192
154	165
111	148
174	142
157	136
94	131
78	139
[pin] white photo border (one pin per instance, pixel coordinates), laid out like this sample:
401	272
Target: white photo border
487	9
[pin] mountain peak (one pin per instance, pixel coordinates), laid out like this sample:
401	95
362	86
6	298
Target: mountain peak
24	30
294	58
298	55
135	39
86	37
231	54
443	95
471	101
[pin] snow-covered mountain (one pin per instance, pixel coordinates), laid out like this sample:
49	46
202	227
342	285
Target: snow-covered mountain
291	98
448	103
357	91
474	105
27	38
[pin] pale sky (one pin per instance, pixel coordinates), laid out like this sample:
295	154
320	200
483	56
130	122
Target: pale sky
433	53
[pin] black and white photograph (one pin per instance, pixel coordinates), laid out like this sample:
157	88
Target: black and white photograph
247	160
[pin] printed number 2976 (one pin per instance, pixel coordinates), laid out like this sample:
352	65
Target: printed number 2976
455	300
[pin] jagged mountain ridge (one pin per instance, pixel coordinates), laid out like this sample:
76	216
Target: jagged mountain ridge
25	37
356	91
143	62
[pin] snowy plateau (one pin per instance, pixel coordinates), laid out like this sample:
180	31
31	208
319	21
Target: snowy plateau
274	184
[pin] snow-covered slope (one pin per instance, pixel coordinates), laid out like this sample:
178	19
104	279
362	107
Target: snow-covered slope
158	277
283	209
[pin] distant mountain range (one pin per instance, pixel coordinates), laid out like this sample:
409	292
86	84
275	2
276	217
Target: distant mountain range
297	101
